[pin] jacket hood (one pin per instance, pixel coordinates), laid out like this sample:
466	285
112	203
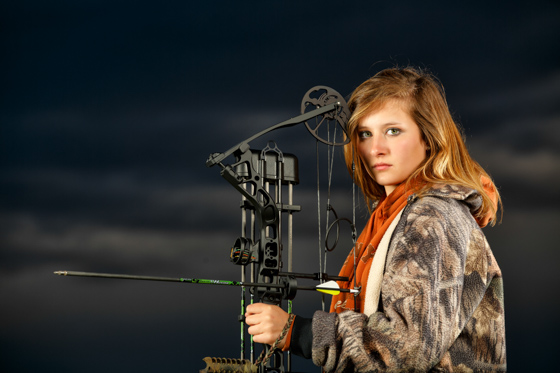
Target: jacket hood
468	196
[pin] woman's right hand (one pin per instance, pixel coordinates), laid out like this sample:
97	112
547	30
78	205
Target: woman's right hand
266	322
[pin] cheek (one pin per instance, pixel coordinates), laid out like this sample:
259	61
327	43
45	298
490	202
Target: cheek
413	152
362	150
419	153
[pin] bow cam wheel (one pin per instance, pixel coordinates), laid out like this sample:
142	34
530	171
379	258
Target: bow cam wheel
329	128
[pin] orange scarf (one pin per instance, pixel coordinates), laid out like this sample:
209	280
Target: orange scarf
366	245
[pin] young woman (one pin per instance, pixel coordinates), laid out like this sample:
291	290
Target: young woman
431	293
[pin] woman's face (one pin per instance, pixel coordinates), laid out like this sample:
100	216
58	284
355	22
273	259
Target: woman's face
390	144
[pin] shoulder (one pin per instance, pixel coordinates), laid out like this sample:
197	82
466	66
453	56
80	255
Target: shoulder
439	220
432	240
447	204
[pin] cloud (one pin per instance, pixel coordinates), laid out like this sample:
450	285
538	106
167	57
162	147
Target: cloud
535	96
523	152
517	137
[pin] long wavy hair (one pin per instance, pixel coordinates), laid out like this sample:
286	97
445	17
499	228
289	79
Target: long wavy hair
447	158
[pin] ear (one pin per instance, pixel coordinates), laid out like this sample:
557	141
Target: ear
425	141
427	146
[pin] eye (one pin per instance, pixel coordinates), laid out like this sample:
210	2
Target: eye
364	134
393	131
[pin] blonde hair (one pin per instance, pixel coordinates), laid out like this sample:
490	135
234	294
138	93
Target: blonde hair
447	158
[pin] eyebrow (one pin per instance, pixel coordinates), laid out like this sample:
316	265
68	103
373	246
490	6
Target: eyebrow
384	125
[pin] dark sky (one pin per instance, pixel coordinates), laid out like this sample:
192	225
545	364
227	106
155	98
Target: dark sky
108	111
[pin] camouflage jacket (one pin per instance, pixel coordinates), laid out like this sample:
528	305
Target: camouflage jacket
441	306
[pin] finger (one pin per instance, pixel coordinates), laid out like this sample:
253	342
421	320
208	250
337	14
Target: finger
253	330
252	319
259	335
254	308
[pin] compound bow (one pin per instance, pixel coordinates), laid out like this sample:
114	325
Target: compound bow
262	178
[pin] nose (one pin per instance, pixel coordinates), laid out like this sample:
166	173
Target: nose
378	145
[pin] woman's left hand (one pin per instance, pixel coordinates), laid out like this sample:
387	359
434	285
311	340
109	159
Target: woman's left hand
266	322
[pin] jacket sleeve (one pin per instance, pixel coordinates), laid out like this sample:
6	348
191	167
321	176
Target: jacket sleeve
421	291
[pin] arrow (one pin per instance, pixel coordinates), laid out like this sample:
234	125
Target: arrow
330	287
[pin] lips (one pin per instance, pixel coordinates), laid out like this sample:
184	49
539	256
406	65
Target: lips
381	166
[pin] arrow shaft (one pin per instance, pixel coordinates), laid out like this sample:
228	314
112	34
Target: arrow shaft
119	276
183	280
167	279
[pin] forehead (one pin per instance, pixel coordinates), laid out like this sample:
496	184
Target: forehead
391	111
